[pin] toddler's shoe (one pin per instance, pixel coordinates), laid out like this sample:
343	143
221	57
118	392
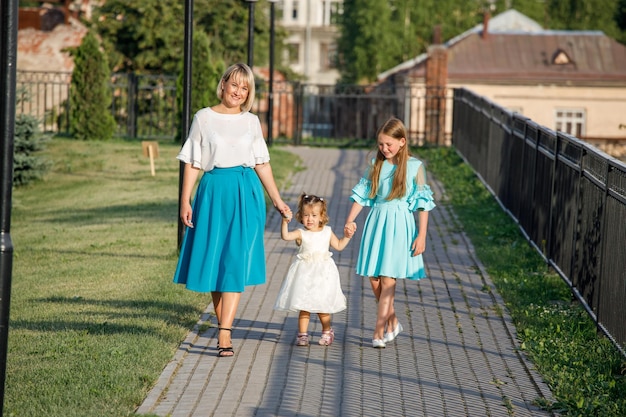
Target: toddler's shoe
327	337
302	339
378	343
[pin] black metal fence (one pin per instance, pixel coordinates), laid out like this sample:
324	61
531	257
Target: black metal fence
568	198
144	107
44	95
344	115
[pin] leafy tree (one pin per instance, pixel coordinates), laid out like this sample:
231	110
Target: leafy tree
620	19
376	35
601	15
204	78
142	35
366	40
90	95
147	36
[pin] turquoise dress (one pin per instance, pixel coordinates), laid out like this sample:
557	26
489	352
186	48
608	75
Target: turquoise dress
390	227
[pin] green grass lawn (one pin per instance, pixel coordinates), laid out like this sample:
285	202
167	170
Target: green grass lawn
94	313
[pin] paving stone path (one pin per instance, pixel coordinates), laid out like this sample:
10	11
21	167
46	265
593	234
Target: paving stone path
457	356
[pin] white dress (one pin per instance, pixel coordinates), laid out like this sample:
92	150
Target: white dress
312	282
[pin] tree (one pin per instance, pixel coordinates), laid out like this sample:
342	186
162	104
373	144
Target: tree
603	15
27	166
90	95
376	35
366	40
204	79
620	19
142	35
146	36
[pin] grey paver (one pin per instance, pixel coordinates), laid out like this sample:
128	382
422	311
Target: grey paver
455	357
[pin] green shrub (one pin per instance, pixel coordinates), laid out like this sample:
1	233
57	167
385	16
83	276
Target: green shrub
90	96
28	140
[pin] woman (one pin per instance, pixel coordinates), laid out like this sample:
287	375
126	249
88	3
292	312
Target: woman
223	251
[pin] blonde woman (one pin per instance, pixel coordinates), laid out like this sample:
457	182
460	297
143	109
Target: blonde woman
223	250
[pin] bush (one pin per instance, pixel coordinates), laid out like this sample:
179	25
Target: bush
27	166
90	96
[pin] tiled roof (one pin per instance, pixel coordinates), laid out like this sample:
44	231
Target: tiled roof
549	56
516	50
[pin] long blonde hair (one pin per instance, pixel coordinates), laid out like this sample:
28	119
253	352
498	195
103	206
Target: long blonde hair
240	72
395	128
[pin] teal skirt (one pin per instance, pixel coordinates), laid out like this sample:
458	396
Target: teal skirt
224	251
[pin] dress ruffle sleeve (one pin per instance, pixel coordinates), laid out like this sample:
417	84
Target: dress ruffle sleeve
191	152
361	192
259	147
421	196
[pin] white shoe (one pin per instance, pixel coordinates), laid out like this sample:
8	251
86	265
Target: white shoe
378	343
389	336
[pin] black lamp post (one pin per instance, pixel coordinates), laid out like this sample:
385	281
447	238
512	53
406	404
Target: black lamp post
250	31
270	99
8	63
188	43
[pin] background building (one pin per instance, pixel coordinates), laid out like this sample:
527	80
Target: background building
569	81
311	44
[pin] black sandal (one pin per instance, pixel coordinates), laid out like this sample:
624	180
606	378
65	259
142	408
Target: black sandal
224	352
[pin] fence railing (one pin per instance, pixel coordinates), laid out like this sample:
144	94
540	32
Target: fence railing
144	106
568	198
45	95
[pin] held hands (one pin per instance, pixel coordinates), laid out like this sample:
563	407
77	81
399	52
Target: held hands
285	211
349	229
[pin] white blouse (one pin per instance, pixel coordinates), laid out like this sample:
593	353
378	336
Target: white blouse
224	141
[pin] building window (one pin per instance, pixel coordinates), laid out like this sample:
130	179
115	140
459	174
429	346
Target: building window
560	57
331	11
294	10
571	121
293	50
328	54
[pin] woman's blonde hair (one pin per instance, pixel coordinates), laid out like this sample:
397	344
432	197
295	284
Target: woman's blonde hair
394	128
311	200
241	73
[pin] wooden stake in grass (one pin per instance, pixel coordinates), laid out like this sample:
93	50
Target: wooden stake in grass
151	150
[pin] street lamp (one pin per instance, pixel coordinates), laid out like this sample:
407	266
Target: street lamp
270	100
250	30
8	49
188	50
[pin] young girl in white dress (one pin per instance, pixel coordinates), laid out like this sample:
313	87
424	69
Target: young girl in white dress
312	283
